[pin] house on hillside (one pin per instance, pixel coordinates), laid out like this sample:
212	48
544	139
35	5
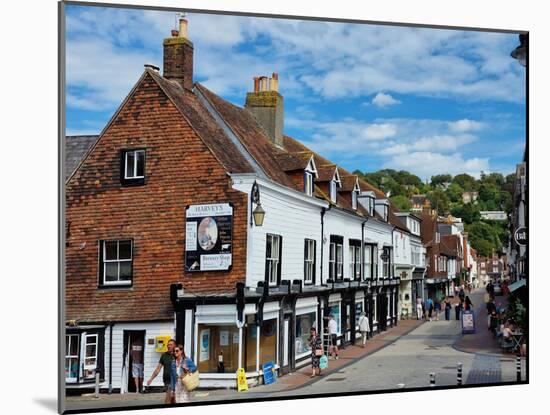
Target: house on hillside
193	218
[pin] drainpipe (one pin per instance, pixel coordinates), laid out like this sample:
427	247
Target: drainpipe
323	212
111	324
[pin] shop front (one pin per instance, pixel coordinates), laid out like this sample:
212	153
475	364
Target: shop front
306	317
84	355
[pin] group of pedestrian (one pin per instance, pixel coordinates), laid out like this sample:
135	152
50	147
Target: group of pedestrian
175	365
430	309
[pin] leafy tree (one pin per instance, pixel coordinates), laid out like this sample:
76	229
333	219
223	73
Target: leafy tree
402	202
489	193
468	212
467	182
454	192
440	179
482	231
439	201
483	247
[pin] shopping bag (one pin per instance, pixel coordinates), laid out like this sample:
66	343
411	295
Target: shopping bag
191	381
323	362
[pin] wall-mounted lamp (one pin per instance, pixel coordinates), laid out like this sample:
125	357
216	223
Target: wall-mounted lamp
258	213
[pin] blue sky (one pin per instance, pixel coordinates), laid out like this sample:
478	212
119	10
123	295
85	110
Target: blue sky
429	101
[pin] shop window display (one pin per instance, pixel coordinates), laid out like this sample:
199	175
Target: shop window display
304	323
218	350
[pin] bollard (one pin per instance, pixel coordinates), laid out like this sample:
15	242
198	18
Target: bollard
96	385
432	379
518	368
459	374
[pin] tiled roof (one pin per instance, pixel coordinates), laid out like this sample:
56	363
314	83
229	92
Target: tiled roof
325	173
205	125
293	161
76	147
252	136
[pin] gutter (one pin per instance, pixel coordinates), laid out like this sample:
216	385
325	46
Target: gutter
111	324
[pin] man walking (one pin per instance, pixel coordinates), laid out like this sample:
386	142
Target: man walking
333	333
136	353
165	363
364	328
429	308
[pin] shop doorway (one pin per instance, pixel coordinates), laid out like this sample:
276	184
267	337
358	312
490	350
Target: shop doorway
287	344
382	311
133	352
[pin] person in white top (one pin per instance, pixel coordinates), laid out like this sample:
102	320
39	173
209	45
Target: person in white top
419	312
333	333
364	328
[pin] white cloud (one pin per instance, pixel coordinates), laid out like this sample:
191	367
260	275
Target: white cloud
465	125
427	163
379	131
384	100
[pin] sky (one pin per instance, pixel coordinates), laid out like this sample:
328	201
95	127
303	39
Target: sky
368	97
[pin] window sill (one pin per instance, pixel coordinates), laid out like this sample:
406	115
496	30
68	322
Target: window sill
121	287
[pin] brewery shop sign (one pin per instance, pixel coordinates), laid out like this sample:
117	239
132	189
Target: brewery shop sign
208	233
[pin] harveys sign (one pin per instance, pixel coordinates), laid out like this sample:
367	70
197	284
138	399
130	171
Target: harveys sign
208	234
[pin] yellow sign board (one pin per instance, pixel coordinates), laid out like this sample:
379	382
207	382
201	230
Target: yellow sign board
161	344
241	380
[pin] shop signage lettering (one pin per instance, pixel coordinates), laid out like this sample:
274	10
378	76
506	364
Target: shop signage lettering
208	237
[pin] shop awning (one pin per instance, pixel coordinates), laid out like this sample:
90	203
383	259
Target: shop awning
518	284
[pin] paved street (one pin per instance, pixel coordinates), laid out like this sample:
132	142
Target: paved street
404	361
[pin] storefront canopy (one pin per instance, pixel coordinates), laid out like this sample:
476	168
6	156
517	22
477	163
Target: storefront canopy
516	285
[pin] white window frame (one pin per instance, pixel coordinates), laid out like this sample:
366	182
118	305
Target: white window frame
118	261
354	199
273	271
437	238
375	261
309	260
387	264
333	191
339	261
72	357
367	255
332	259
135	153
94	357
308	183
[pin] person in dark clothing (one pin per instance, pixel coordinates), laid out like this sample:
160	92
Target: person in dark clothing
461	295
448	309
458	307
468	304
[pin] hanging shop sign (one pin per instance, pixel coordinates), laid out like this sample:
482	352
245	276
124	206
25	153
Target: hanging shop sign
468	322
520	236
208	237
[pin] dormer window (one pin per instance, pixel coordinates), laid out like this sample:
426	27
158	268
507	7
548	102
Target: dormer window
382	208
309	173
333	191
354	194
308	183
333	186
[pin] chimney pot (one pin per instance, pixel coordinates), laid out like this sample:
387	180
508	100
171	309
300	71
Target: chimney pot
275	76
183	28
175	33
256	84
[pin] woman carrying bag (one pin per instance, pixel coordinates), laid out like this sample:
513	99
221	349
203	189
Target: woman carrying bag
184	375
316	345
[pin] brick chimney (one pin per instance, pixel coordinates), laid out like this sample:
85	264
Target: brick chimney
178	57
266	104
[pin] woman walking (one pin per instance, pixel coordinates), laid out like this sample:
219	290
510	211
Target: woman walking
448	309
180	369
437	309
364	328
316	351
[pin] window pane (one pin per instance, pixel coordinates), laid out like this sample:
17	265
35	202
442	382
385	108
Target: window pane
126	270
268	246
111	271
130	164
73	351
140	163
276	243
331	254
111	250
339	253
125	250
90	350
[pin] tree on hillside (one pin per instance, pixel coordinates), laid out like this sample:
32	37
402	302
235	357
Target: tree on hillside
467	182
439	201
440	179
454	192
468	212
401	202
489	195
482	231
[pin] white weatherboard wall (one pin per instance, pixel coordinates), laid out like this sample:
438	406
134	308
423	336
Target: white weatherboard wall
345	225
291	215
150	357
402	248
380	233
